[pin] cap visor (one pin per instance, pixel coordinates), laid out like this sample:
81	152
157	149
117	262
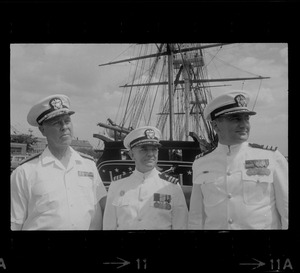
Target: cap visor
59	113
148	143
238	112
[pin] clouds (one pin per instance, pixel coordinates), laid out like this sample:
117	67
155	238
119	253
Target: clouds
270	130
270	96
38	70
71	67
56	68
284	54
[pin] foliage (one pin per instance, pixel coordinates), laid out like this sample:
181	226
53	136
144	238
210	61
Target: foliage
25	139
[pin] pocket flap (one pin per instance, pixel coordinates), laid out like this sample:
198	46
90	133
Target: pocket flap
206	177
85	182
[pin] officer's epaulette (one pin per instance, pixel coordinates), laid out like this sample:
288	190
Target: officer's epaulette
269	148
121	176
30	158
86	156
205	153
169	178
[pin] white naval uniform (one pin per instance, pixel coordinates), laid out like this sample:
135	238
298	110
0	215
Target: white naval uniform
47	196
131	204
226	195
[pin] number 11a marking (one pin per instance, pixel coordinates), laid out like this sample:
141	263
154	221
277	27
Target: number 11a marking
285	265
139	263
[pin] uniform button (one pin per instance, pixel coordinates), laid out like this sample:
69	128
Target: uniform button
229	195
228	173
230	221
139	219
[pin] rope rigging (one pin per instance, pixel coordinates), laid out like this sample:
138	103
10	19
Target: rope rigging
148	93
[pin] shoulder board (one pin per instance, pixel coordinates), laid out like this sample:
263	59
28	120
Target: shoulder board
31	157
169	178
121	176
86	156
204	153
264	147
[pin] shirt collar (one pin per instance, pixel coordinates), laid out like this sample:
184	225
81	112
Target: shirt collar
76	156
231	148
48	157
145	175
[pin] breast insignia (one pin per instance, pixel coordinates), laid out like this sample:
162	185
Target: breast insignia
264	147
169	178
121	176
31	158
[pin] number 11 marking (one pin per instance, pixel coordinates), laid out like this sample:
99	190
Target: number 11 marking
139	263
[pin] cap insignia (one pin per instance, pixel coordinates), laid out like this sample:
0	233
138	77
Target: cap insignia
149	133
56	103
240	100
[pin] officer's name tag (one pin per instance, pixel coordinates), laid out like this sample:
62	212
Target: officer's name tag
85	174
162	201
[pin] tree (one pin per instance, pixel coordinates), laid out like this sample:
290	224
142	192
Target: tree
26	139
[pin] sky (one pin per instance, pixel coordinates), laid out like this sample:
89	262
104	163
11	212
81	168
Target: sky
40	70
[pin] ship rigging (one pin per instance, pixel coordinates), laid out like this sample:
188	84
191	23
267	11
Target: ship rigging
169	89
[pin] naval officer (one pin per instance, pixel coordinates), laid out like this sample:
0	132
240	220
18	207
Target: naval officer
238	185
145	199
58	189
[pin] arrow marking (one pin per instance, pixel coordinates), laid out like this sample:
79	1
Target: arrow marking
123	263
258	263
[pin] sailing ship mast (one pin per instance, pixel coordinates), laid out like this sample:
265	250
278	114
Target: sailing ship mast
171	88
191	86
